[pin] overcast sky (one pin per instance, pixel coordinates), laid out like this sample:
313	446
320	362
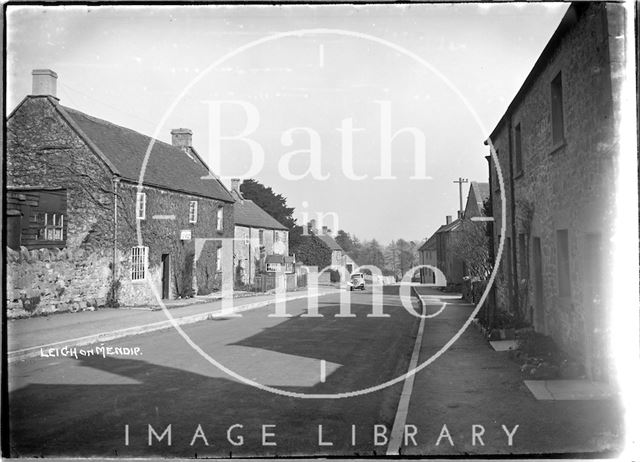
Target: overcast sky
152	69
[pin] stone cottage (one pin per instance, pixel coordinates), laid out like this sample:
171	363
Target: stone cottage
557	146
444	249
260	240
91	223
427	254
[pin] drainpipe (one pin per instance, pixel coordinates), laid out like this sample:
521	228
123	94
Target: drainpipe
514	237
114	271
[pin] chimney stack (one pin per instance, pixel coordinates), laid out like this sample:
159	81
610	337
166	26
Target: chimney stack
181	137
325	230
448	219
44	82
312	227
235	184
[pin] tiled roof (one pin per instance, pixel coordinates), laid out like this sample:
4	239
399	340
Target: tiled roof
167	167
430	244
329	241
455	224
248	213
274	258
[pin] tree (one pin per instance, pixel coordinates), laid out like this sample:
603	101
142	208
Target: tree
372	254
276	206
272	203
344	240
312	251
472	247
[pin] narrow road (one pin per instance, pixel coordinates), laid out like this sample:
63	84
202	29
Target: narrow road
83	407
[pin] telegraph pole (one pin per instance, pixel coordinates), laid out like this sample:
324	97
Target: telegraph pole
460	180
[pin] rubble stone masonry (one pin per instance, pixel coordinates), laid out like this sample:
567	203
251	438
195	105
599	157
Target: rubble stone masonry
564	186
44	152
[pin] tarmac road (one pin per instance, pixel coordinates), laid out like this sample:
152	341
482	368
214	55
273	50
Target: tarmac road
106	405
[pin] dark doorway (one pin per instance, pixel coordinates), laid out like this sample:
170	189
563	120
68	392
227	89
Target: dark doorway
538	290
166	269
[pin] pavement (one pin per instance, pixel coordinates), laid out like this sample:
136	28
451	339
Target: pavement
25	337
471	384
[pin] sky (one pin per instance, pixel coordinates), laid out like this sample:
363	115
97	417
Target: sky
365	115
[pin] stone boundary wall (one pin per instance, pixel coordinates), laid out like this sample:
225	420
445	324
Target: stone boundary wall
45	281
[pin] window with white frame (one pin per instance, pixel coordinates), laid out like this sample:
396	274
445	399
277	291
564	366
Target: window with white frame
193	211
141	206
219	259
53	227
139	262
219	217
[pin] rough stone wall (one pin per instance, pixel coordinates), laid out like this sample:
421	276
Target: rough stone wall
56	280
162	236
563	187
43	151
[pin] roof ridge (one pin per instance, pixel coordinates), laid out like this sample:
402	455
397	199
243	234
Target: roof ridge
104	121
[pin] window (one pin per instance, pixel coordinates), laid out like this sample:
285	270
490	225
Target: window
518	150
139	262
52	227
261	236
564	270
557	113
523	249
193	211
219	259
141	206
278	239
219	217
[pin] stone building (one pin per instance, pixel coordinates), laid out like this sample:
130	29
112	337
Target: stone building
427	254
449	262
260	240
557	145
74	204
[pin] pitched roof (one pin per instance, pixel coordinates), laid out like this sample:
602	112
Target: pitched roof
248	213
478	193
429	244
124	150
329	241
482	191
454	225
274	258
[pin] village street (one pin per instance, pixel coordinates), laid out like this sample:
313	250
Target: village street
110	405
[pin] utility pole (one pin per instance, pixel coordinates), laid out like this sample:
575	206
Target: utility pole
460	180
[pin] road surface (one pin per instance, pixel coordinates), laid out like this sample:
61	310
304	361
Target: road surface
110	406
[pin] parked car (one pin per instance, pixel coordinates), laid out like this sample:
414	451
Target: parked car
356	281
